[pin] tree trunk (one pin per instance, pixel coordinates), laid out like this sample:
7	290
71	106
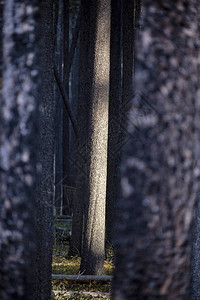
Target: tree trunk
95	188
46	159
160	169
114	129
128	60
66	153
80	158
18	148
58	176
1	38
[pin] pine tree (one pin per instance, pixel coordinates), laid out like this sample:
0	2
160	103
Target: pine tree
46	158
160	168
95	186
18	147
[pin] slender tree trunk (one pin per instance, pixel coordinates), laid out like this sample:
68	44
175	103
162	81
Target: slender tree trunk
18	148
80	159
46	159
128	59
66	165
58	176
160	177
74	104
95	189
1	38
114	129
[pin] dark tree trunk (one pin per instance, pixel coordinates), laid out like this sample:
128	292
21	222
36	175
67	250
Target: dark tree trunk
74	105
128	8
1	38
114	129
160	170
59	109
18	148
80	159
66	165
46	158
95	187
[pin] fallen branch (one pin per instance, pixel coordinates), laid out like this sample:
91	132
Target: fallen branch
63	220
65	216
82	278
93	294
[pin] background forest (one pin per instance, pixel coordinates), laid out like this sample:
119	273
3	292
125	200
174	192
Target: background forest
99	149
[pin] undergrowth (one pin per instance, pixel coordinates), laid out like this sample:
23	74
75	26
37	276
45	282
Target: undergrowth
63	265
70	266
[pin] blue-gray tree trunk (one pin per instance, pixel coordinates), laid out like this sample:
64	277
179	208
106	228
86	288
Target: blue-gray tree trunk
18	148
45	190
160	168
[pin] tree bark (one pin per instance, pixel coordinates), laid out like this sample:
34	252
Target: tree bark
1	39
18	148
45	189
58	176
80	158
95	187
114	128
66	153
128	9
160	169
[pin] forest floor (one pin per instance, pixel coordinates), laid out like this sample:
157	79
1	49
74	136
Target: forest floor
64	289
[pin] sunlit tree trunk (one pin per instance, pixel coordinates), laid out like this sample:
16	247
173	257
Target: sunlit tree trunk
95	188
160	168
18	148
46	158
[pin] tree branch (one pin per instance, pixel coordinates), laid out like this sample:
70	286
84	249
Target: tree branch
65	100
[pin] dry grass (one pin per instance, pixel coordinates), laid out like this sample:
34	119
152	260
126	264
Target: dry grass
62	265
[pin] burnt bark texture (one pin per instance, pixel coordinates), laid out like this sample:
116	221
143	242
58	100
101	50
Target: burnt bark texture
66	153
18	148
128	35
1	38
58	177
114	128
95	187
46	158
80	158
160	168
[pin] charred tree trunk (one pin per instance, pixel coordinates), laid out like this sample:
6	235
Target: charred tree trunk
18	148
46	158
66	165
1	39
128	8
95	187
160	169
114	129
58	176
80	159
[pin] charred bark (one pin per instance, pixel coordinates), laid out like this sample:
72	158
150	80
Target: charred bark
18	148
160	169
45	190
114	129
